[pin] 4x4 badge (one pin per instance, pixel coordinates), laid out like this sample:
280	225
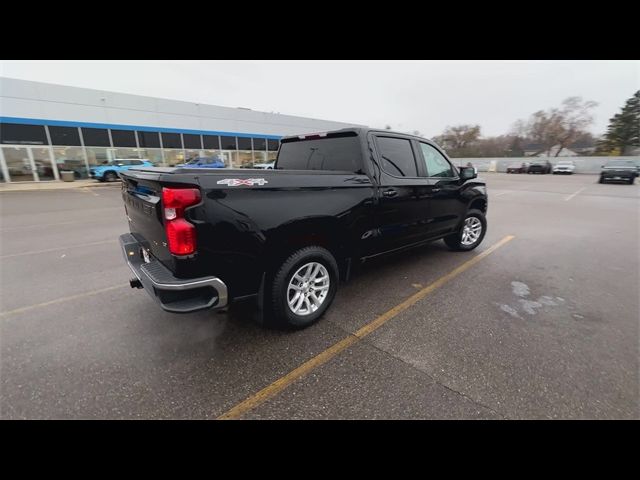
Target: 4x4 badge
234	182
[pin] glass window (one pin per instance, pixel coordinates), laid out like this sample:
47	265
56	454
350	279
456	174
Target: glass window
99	156
23	134
273	145
230	159
70	159
397	157
271	156
18	164
192	154
191	141
337	152
211	142
42	161
260	144
259	157
244	143
228	143
437	165
173	157
64	135
95	137
149	139
171	140
123	138
153	155
125	152
244	159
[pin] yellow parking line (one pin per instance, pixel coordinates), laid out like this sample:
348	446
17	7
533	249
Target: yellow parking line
283	382
60	300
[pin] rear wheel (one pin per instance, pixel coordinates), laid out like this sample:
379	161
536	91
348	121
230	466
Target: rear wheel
601	179
470	234
110	176
303	288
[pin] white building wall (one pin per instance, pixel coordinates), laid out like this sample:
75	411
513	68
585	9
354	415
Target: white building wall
35	100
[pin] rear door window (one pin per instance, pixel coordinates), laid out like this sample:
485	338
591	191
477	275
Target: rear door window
397	156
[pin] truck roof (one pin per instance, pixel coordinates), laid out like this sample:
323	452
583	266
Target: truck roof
357	130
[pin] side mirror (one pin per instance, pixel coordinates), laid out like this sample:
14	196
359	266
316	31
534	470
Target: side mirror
467	173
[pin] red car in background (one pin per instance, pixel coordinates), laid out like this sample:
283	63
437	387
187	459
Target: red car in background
518	167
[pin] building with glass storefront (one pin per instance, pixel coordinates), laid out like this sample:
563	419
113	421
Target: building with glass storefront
46	129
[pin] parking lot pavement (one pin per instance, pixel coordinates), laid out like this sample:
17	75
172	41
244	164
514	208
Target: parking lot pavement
546	326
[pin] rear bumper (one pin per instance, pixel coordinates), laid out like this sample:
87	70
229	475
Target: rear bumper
176	295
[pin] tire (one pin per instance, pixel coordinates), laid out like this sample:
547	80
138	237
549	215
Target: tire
601	180
282	314
454	241
110	176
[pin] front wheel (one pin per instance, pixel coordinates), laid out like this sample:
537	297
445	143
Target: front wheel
470	234
303	288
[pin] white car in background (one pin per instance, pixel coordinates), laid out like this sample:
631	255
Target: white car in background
564	166
264	166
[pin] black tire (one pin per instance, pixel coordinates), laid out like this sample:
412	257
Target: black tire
632	180
281	315
601	180
454	241
110	176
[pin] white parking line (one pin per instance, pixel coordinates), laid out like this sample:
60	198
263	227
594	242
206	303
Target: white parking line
574	194
500	194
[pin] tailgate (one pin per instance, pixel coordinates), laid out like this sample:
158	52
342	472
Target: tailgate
142	194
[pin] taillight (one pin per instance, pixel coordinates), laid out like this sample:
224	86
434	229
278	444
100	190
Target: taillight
181	235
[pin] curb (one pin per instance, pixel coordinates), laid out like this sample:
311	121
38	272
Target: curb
54	186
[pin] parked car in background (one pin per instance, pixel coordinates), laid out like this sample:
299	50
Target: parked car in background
565	167
108	172
518	167
265	166
203	162
540	167
619	170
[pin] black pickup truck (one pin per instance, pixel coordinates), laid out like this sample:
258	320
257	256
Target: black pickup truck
200	238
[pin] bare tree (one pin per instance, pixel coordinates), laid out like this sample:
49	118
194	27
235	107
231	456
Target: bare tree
459	137
558	127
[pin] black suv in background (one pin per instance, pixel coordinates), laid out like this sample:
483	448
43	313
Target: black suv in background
540	167
619	170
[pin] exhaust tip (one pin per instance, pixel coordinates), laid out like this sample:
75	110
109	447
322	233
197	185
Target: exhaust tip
135	283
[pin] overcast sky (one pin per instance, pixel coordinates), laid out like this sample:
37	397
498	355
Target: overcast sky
418	95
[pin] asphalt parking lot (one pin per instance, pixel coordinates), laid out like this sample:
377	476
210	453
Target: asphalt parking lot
545	326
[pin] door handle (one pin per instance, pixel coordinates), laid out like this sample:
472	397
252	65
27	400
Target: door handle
390	193
435	190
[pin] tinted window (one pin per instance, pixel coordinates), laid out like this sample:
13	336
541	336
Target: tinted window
259	143
244	143
123	138
437	165
191	141
64	135
95	137
331	153
211	142
136	162
273	145
171	140
228	143
149	139
397	157
23	134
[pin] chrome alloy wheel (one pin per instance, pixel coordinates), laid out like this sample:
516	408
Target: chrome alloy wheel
308	288
471	231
